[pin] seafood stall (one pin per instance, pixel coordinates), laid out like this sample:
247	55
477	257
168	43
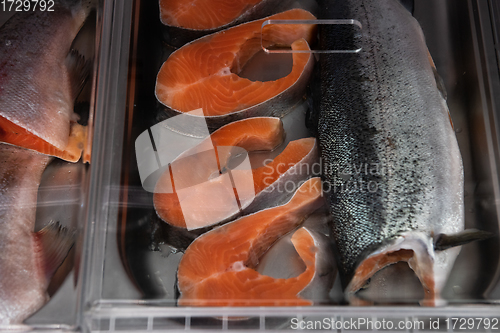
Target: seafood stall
284	165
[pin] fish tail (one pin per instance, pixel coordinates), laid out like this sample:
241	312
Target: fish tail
79	69
446	241
52	244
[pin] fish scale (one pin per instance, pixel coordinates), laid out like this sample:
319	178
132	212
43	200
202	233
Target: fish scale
17	71
381	108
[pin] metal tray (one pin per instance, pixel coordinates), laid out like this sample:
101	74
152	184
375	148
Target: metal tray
129	259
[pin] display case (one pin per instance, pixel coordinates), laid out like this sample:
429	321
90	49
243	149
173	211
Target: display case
131	262
127	257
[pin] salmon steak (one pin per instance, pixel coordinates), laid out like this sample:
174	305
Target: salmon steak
206	15
218	268
209	184
204	73
40	78
185	21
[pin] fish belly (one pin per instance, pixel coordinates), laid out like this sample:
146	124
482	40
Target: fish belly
22	283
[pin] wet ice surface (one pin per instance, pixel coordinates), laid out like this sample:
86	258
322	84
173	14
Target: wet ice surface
394	284
164	277
267	67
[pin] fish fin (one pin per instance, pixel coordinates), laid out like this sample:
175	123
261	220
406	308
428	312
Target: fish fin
439	80
444	241
409	5
54	242
440	84
62	272
79	69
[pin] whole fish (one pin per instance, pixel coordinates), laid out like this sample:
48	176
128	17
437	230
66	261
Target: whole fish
392	172
27	259
40	79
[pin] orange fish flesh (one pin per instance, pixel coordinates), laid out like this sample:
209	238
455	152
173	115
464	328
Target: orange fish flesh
184	21
218	268
202	14
200	190
204	73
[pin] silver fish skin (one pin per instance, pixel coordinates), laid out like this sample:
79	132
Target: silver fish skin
37	80
22	280
392	169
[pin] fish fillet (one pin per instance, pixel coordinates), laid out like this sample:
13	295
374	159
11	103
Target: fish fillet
198	172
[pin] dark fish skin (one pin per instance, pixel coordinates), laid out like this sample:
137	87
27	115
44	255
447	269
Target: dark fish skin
392	169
